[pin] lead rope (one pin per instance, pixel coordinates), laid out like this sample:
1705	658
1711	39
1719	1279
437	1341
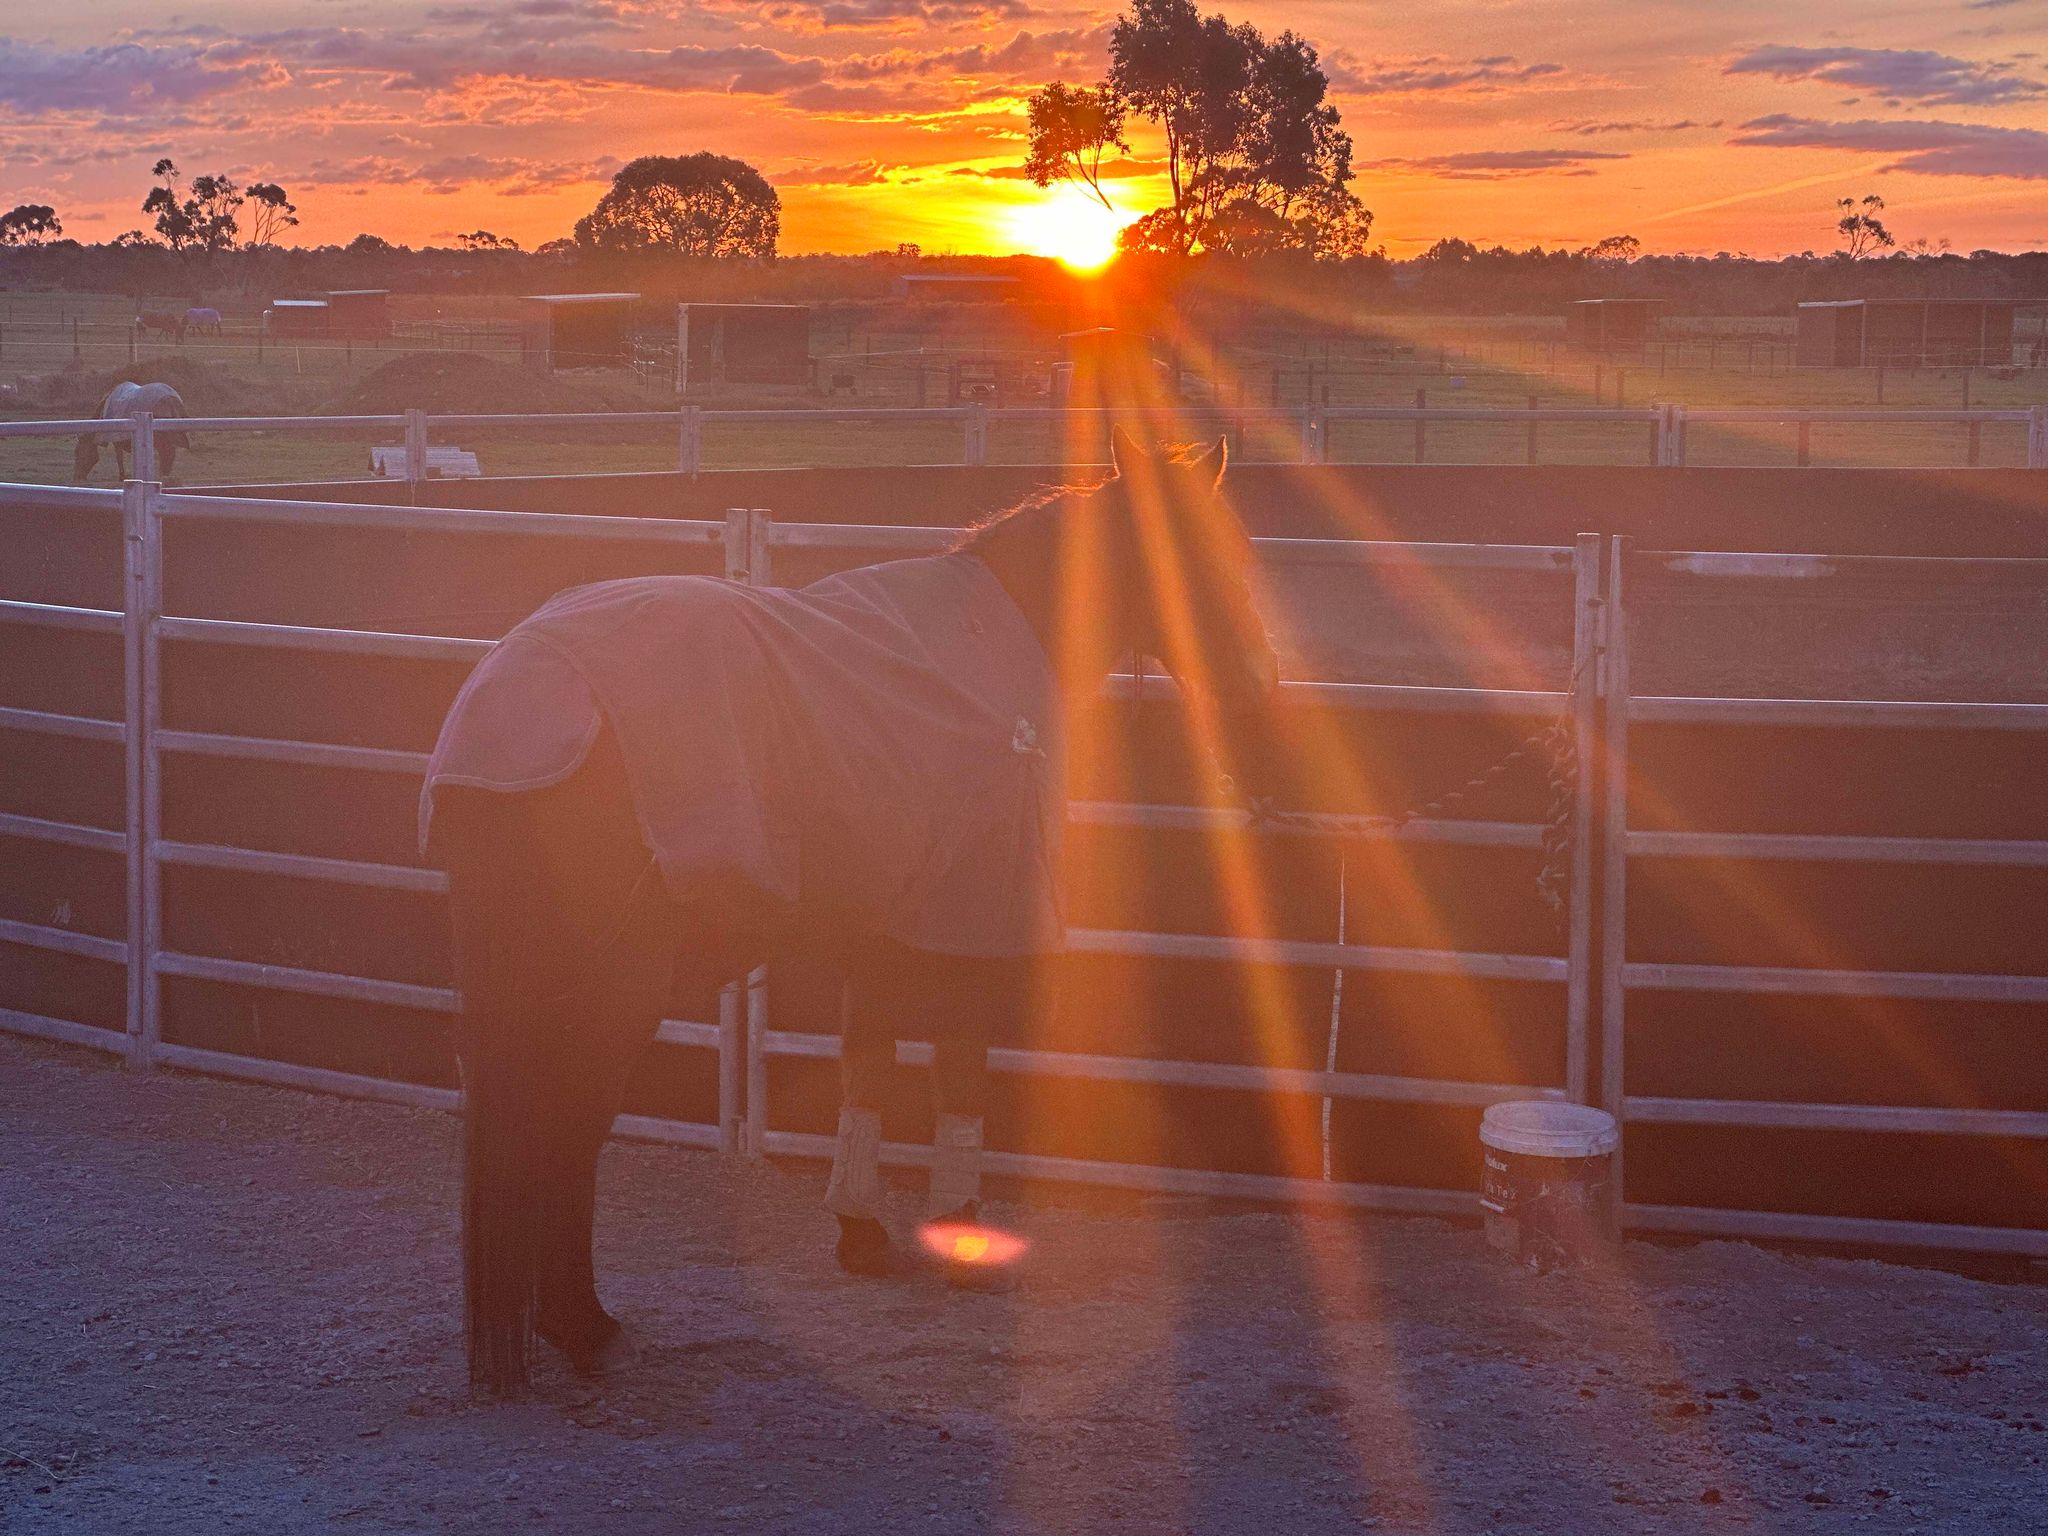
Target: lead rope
1558	741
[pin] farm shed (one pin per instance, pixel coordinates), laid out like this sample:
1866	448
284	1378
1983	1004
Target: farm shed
297	319
362	313
742	344
582	330
1914	333
1604	325
957	288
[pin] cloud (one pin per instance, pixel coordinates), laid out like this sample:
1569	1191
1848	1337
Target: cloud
1124	168
1590	127
124	79
511	176
1031	55
1895	74
1929	147
878	15
411	61
1500	164
860	173
1431	72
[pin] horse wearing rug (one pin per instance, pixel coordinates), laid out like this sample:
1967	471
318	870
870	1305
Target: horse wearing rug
124	400
661	782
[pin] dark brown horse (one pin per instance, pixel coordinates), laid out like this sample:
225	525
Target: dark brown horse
163	322
652	785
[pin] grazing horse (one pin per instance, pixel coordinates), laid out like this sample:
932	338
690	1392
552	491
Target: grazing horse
657	783
203	318
128	399
164	322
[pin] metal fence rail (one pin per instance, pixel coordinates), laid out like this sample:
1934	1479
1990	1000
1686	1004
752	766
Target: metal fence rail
742	1039
1298	434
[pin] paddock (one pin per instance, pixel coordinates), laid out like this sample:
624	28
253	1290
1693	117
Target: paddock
256	1331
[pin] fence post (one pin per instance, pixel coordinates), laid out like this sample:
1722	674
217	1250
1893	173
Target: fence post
731	1062
977	433
739	524
1315	447
1614	668
690	441
142	446
1805	443
415	447
756	1139
2037	438
1584	690
142	569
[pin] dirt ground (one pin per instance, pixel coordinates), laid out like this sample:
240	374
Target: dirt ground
226	1308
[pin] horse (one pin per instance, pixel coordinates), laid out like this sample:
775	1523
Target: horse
164	322
652	785
202	318
129	399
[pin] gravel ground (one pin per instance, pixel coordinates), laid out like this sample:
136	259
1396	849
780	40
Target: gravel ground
226	1308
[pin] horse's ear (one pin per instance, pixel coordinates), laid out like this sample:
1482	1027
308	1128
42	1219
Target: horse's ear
1123	448
1211	462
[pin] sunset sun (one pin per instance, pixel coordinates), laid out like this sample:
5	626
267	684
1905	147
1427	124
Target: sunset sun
1070	225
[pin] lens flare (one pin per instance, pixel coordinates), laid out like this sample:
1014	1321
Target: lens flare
957	1243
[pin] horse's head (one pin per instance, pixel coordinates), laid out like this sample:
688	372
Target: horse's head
85	457
1184	567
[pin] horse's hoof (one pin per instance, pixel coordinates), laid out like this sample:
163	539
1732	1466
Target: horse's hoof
865	1249
589	1342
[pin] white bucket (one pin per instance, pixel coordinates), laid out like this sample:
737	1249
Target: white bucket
1545	1191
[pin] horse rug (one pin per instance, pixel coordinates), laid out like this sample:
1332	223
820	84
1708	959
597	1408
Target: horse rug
880	751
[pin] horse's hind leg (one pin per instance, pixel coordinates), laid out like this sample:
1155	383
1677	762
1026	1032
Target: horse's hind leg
564	945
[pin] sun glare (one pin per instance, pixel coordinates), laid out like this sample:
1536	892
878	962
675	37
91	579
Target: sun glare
1069	225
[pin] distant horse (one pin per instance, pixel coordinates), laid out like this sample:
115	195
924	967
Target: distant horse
163	322
124	400
202	318
652	785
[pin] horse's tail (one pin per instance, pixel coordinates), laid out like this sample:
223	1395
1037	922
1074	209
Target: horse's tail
85	456
512	1105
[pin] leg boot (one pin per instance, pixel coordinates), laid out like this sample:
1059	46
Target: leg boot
956	1202
854	1195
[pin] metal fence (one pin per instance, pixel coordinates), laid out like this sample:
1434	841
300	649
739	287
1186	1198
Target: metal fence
1593	977
1277	434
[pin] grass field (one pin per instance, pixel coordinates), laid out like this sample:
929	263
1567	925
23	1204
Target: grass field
57	352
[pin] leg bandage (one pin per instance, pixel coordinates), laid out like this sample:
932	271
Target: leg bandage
856	1186
956	1163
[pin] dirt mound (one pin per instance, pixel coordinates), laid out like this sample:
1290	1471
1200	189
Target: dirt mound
457	382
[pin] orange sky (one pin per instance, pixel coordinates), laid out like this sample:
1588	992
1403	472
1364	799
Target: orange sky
1695	127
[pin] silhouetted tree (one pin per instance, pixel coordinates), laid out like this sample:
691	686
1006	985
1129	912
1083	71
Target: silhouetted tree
30	224
484	240
693	205
1622	248
1255	153
274	214
202	220
1072	128
1863	233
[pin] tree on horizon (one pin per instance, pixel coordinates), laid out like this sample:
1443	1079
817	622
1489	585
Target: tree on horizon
690	205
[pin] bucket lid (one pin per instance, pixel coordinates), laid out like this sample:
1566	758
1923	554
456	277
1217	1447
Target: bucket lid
1549	1128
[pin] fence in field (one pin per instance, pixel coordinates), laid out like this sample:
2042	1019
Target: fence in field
1306	434
1594	979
